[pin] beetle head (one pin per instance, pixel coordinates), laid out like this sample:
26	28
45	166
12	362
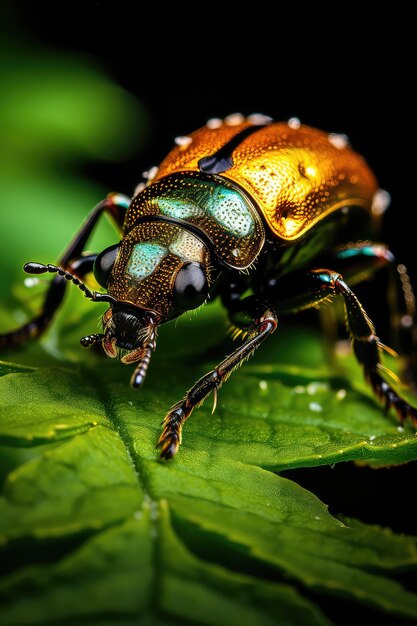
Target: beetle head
157	272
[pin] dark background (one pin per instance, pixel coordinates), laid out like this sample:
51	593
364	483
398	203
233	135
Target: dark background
344	73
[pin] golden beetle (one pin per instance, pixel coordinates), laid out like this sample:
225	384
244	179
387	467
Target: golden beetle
240	206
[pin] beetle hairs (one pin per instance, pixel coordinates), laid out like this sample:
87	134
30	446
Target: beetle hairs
40	268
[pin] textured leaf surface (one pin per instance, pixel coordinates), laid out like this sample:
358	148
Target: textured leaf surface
95	528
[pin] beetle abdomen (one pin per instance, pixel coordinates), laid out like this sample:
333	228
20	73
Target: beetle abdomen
296	176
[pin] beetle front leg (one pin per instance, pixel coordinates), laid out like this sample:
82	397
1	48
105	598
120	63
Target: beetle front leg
115	205
263	326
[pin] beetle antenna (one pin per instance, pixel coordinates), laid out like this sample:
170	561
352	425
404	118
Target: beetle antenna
40	268
91	340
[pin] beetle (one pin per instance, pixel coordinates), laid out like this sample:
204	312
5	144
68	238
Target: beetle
263	215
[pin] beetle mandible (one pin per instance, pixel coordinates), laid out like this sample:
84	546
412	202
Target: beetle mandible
240	206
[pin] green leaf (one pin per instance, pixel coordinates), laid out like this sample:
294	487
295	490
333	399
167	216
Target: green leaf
213	537
153	575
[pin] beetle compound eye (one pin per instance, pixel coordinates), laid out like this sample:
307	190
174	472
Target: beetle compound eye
104	263
191	287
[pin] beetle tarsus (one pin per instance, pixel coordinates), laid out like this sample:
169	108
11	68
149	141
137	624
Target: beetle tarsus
390	397
170	438
169	447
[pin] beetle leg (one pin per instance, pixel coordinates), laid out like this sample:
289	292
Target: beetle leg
232	289
356	262
170	439
367	348
319	285
115	205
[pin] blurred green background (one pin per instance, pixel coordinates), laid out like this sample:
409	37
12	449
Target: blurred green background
58	113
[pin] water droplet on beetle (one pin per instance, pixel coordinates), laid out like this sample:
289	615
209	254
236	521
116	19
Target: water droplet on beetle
258	119
294	123
140	187
152	172
234	119
338	140
214	122
380	202
183	141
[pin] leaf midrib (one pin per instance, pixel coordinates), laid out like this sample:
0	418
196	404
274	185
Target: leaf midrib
137	464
